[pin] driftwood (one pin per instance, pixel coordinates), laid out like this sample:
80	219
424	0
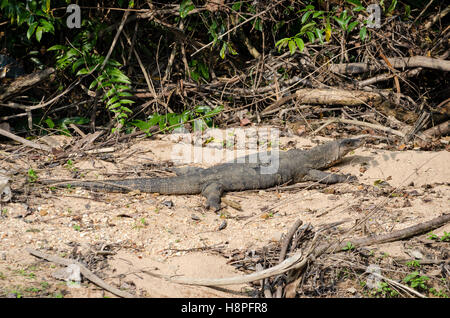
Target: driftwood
328	97
24	141
25	82
396	62
83	269
299	259
359	123
433	132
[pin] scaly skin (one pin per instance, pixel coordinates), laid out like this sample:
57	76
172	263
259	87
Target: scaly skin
294	165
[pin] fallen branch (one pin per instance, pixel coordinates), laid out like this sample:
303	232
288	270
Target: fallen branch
328	97
297	260
24	141
26	81
360	123
433	132
396	62
83	269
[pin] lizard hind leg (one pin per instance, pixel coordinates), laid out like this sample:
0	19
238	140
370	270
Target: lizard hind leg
213	192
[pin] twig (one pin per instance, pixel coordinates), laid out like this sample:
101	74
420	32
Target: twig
234	28
116	37
360	123
25	141
288	239
86	272
396	62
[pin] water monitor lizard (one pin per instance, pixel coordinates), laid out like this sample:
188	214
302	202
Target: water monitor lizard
294	165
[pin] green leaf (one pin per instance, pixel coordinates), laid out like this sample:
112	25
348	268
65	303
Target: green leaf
47	26
281	43
31	29
112	100
355	2
319	35
317	14
56	47
311	36
300	44
222	50
358	9
39	33
127	101
49	123
142	125
306	27
306	16
292	47
352	25
236	6
363	33
83	71
126	109
391	7
185	7
307	8
202	109
77	64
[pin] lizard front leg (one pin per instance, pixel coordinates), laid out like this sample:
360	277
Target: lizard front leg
327	178
213	192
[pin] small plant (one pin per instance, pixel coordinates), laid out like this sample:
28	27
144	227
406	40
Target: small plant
438	293
26	274
69	165
432	236
348	247
76	227
446	237
198	70
413	263
32	176
386	291
415	280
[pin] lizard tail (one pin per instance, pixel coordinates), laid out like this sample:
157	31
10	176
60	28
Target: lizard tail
172	185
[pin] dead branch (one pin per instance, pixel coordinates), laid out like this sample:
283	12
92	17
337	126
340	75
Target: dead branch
433	132
396	62
298	261
83	269
328	97
24	141
24	82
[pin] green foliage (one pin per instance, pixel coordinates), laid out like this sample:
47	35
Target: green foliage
201	116
413	263
185	7
315	25
415	280
348	247
36	14
108	78
444	238
61	124
32	175
198	70
385	291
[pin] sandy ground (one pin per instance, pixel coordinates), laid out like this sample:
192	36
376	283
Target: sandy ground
153	236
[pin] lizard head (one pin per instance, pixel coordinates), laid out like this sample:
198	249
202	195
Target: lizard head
341	147
332	152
